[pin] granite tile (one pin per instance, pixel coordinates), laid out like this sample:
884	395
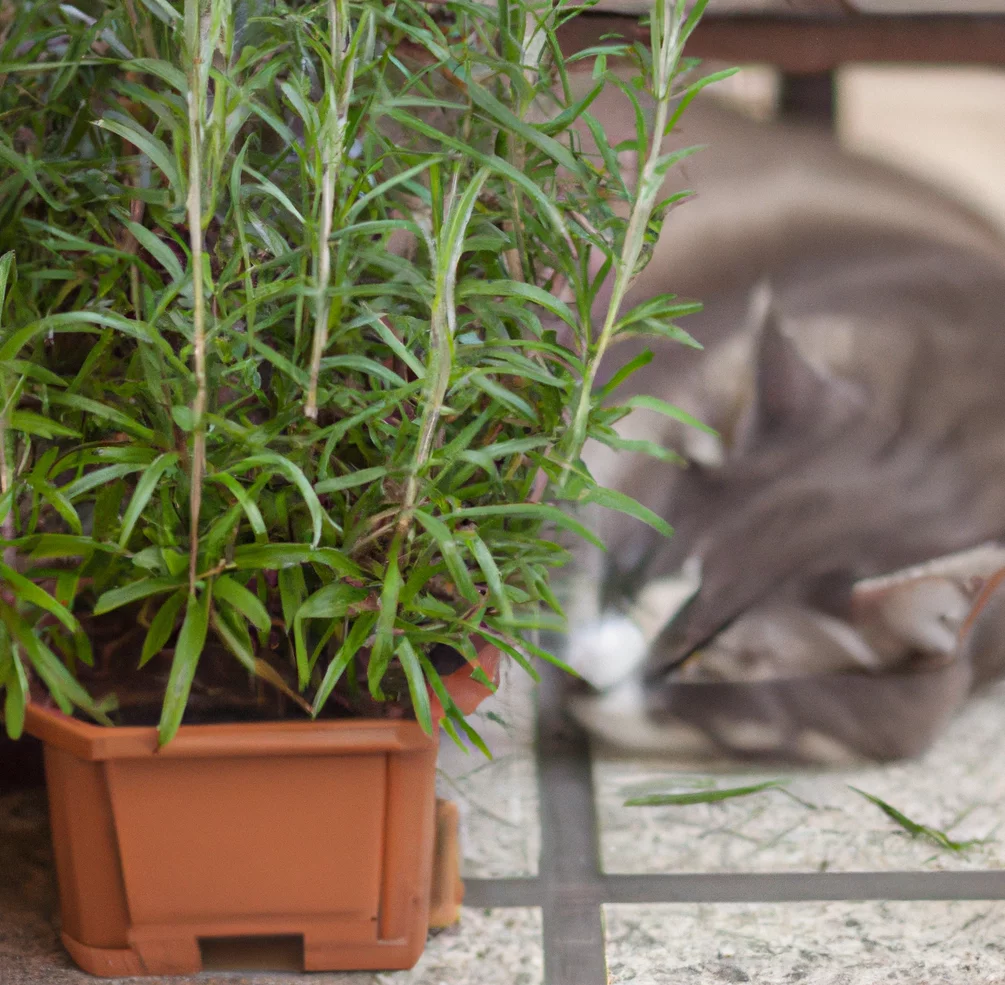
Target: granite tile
875	943
958	787
488	947
497	798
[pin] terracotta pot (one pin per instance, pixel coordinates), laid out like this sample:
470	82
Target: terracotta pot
468	693
313	832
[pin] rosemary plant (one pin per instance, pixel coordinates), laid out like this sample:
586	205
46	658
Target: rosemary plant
296	350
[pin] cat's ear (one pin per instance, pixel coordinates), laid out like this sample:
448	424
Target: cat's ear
788	390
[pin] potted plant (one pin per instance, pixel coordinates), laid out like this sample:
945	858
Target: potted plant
296	365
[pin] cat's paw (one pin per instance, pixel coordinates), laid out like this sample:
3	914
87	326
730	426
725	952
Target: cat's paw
607	651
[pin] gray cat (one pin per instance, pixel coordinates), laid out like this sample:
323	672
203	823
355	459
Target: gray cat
854	370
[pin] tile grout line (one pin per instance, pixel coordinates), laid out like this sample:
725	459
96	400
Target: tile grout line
752	887
568	887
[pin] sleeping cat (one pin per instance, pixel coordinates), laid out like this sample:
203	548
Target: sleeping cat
854	371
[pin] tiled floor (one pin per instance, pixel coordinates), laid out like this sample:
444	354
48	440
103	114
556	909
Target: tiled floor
959	787
935	943
497	798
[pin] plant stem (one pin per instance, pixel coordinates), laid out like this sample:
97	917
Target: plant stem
7	529
196	97
438	375
333	147
445	256
664	66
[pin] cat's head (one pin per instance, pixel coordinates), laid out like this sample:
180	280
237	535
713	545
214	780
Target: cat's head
756	506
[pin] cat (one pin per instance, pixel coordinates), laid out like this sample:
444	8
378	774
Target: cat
854	373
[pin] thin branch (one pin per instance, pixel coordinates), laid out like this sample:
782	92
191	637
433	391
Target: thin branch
333	148
196	97
666	56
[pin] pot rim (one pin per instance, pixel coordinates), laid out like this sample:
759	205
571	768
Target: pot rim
93	742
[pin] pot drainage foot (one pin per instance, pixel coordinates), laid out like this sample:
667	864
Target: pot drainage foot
104	962
447	892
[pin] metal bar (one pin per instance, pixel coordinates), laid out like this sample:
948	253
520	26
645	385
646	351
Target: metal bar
810	45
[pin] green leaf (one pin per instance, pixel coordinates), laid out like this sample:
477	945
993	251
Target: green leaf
25	167
497	164
8	276
512	124
271	557
144	490
361	478
453	713
613	499
64	688
246	498
331	602
292	592
76	321
646	402
532	511
29	422
115	598
188	650
165	71
103	412
492	576
152	146
295	475
162	626
398	348
702	796
506	397
518	289
162	10
100	477
644	358
243	600
233	632
57	501
157	248
28	591
66	546
355	638
915	829
656	313
613	440
416	684
183	417
16	698
362	364
450	553
383	645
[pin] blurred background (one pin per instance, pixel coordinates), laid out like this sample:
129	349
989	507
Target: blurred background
945	125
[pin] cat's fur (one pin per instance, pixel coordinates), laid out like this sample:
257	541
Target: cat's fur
854	367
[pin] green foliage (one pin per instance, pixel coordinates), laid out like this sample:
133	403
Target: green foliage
284	366
917	830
